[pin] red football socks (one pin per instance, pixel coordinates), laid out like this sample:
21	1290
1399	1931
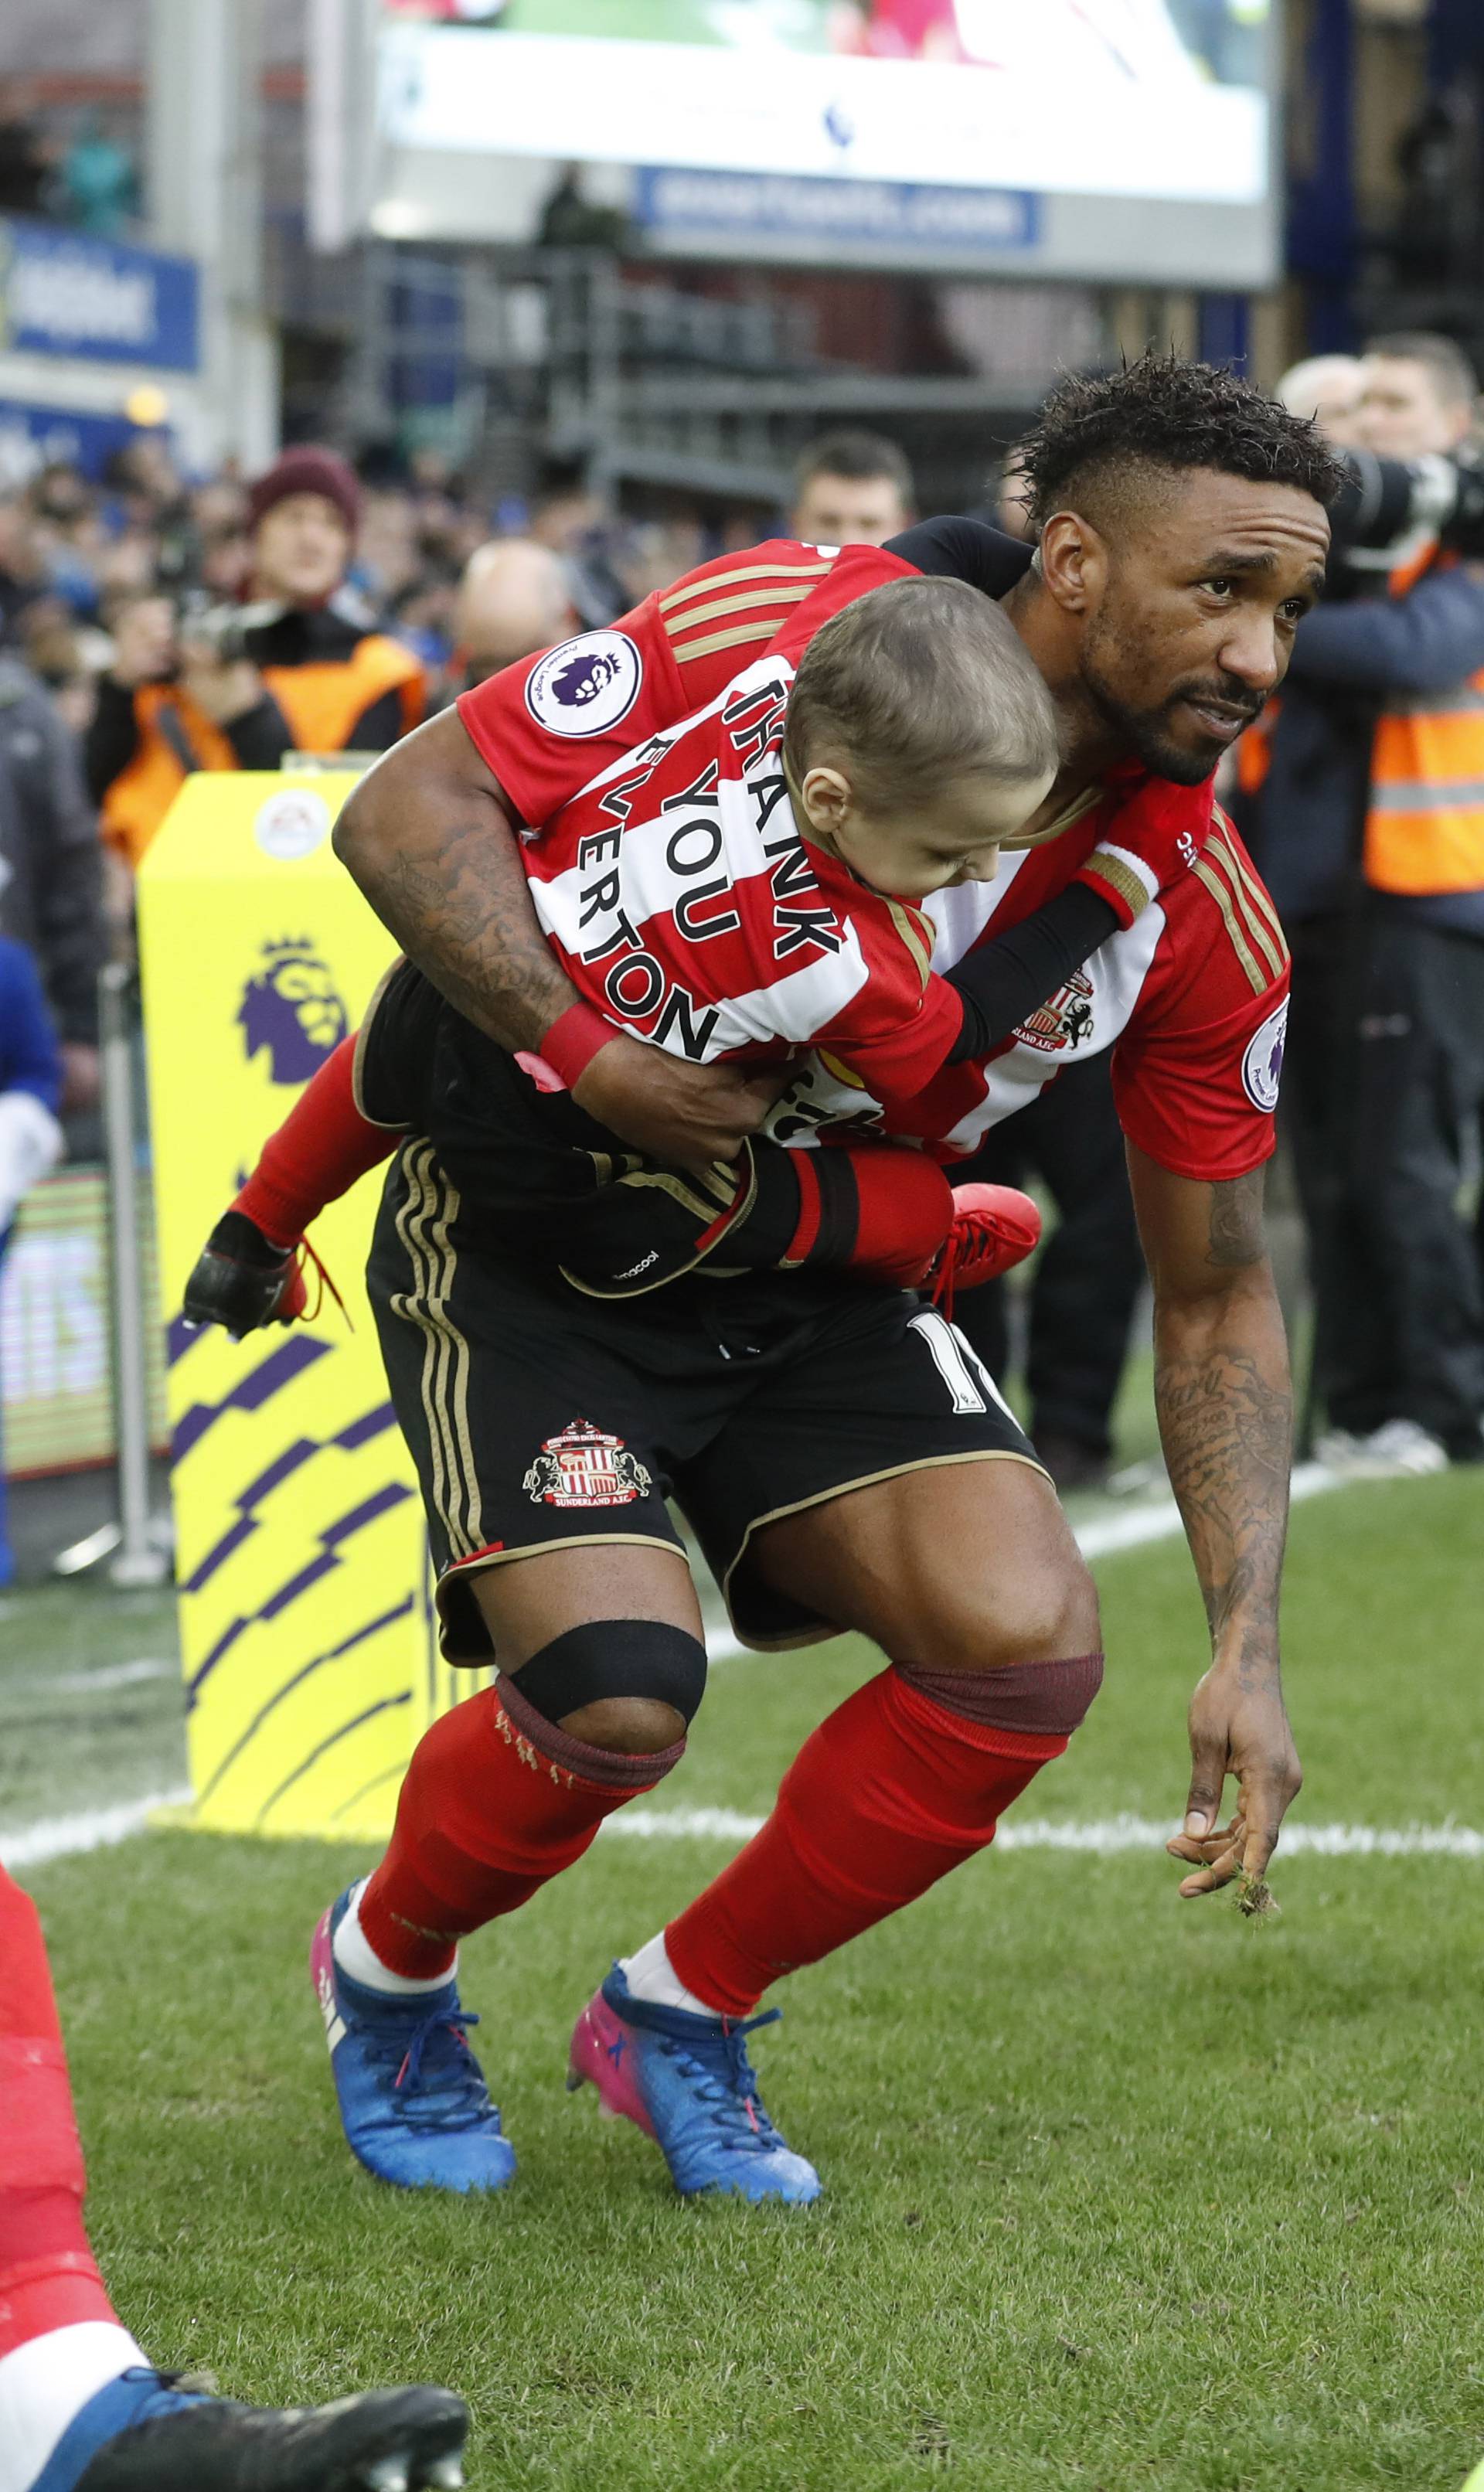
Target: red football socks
497	1800
47	2275
887	1796
323	1146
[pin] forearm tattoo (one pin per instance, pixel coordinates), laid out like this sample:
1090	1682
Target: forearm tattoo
1222	1392
468	922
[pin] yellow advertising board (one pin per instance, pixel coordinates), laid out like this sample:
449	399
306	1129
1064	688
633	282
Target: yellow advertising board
304	1620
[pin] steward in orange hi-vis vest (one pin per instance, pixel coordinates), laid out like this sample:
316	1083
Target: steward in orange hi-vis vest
330	685
1424	832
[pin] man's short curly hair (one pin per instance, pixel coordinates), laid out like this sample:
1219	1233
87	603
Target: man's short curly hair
1094	433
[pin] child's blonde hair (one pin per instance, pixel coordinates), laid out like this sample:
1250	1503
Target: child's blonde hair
916	685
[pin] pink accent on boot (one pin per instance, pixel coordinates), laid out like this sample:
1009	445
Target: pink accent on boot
322	1976
602	2055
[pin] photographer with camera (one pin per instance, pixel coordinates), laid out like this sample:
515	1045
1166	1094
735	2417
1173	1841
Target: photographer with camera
300	667
1365	801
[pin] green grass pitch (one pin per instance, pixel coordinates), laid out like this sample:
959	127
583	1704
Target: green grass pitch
1124	2195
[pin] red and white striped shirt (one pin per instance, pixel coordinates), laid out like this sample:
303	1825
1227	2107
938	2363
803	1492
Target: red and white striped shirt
680	897
646	859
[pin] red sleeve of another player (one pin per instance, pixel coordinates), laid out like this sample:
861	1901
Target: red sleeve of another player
1196	1074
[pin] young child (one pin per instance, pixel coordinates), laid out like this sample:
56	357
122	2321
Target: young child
30	1137
747	887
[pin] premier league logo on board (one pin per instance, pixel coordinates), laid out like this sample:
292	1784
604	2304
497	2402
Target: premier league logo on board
586	686
1263	1063
1063	1022
294	1009
583	1466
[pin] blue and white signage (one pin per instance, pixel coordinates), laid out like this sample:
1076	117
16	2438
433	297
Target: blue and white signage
925	217
33	437
64	293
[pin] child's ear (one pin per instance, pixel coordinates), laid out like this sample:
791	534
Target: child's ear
826	797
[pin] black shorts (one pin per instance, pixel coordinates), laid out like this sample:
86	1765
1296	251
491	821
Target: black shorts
539	1417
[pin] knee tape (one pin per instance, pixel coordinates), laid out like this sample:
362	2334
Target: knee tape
608	1657
1040	1699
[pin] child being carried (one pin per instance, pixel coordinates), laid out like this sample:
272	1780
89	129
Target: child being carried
746	887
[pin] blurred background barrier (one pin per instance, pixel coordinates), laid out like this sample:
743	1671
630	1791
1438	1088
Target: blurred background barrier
301	1556
54	1328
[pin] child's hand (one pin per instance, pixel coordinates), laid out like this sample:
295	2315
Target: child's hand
1148	845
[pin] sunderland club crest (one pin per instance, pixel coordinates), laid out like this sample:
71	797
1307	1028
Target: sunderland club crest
1065	1020
583	1466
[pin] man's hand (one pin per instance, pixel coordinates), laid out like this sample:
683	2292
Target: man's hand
672	1110
1242	1730
224	691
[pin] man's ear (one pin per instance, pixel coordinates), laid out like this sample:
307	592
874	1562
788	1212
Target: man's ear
1074	562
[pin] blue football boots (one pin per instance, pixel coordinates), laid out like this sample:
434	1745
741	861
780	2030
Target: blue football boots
687	2082
412	2096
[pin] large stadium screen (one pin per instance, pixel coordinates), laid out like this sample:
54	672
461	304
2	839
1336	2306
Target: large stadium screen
1128	140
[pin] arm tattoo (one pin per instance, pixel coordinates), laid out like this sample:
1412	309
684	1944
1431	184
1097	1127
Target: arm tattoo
468	923
1236	1222
1221	1389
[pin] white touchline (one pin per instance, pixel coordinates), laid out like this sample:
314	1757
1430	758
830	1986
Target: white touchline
1100	1836
114	1674
60	1838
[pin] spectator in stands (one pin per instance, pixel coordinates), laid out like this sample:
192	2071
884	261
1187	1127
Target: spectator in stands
96	185
27	156
571	221
851	488
22	565
50	871
515	596
1368	818
303	667
1327	388
572	516
30	1137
